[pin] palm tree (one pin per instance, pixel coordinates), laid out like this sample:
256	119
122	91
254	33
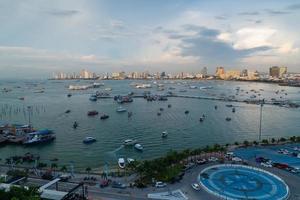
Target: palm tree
63	168
53	167
88	170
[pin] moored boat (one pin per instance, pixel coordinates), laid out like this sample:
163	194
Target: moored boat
92	113
104	116
41	136
121	163
89	140
121	109
129	142
138	147
164	134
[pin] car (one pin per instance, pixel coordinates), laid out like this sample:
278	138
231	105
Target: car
160	184
201	161
266	164
64	177
212	159
195	186
236	159
119	185
105	183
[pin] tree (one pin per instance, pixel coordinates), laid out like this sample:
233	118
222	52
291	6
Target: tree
54	167
63	168
88	170
246	143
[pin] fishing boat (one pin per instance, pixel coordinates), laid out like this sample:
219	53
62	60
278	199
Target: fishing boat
138	147
129	142
104	116
186	112
92	113
121	163
67	111
69	95
89	140
233	110
41	136
164	134
121	109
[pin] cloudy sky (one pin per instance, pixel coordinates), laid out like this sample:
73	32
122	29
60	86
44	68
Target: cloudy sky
39	37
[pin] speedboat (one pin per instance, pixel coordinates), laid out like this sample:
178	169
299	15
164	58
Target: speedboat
75	125
228	119
121	109
138	147
129	142
92	113
121	163
89	140
164	134
39	137
104	116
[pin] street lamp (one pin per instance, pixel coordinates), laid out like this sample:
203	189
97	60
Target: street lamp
260	119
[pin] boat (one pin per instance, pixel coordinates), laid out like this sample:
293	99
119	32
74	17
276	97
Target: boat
108	89
75	125
130	160
93	98
41	136
186	112
216	107
229	105
69	95
89	140
182	90
169	106
97	85
143	86
233	110
201	119
92	113
121	163
121	109
104	116
158	114
228	119
164	134
161	109
22	98
129	142
193	87
138	147
67	111
129	114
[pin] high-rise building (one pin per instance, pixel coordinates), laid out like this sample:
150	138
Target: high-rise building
232	74
274	71
220	72
204	72
282	71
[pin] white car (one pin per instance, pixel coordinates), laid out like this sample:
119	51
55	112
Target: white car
213	159
236	159
160	184
196	186
266	164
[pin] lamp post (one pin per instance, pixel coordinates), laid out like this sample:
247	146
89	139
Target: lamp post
29	113
260	119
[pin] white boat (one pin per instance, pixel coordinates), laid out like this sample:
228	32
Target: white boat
143	86
193	87
89	140
138	147
164	134
121	109
80	87
130	142
130	160
121	163
108	89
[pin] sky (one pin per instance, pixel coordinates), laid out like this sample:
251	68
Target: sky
39	37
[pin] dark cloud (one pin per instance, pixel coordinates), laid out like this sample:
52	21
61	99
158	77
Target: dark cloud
206	46
63	13
249	13
277	12
202	30
294	7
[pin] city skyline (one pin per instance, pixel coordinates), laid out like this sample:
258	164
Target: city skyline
174	36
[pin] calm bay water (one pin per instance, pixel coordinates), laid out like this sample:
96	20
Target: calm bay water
185	131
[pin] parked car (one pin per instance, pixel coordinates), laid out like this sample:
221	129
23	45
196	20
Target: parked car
236	159
201	161
104	183
196	186
160	184
266	164
212	159
119	185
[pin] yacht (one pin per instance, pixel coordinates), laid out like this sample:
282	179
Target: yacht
121	163
104	116
138	147
121	109
164	134
89	140
130	142
39	137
